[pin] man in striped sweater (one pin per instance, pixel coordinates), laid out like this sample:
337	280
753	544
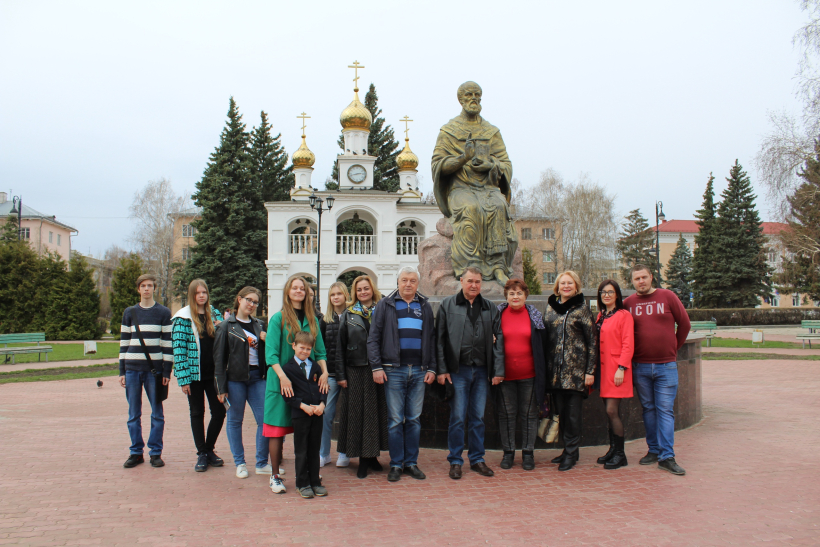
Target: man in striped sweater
137	373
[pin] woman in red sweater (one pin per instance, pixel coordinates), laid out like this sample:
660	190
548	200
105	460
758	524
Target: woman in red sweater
617	345
522	392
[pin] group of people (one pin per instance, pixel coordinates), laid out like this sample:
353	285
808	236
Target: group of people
367	360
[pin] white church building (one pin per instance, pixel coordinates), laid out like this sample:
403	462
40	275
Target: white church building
399	220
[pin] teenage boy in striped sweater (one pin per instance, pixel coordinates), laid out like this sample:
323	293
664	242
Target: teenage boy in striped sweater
136	372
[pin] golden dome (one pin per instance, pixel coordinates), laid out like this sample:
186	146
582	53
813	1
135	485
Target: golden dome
356	116
407	160
303	157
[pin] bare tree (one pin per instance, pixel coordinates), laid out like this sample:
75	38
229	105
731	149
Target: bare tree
153	234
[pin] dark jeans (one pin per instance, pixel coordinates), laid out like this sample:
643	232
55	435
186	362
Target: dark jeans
135	382
467	405
196	405
404	391
516	399
307	438
569	413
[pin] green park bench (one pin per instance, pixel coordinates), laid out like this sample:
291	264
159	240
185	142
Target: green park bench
24	338
709	326
813	325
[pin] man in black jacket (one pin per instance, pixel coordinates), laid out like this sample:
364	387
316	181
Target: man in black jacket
400	350
469	355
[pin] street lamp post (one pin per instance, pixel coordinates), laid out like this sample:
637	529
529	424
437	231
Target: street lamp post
316	203
17	207
659	217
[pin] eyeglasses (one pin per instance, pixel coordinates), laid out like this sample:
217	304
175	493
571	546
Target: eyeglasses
607	293
252	303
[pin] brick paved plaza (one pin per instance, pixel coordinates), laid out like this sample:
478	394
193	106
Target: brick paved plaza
752	479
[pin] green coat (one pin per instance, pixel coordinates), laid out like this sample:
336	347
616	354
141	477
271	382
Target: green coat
279	351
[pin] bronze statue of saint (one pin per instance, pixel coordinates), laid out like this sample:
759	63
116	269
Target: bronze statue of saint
471	182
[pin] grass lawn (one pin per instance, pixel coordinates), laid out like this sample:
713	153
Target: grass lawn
61	373
738	343
756	356
68	352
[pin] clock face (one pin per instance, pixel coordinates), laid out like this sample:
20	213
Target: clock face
357	173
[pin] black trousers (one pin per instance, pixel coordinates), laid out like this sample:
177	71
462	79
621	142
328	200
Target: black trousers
569	412
196	404
516	399
307	439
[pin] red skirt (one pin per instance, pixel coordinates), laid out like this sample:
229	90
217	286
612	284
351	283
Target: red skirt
275	431
608	388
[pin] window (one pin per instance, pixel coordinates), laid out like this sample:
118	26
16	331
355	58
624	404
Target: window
795	300
526	233
776	302
186	254
548	233
51	237
549	278
25	233
772	257
547	256
59	238
188	230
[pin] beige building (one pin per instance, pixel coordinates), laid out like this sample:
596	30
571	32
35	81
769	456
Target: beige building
43	232
542	236
183	240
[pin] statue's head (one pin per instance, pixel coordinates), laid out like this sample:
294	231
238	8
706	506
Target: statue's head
469	95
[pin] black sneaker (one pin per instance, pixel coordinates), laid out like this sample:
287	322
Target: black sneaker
649	459
156	461
394	475
415	472
671	466
133	461
507	460
214	460
201	463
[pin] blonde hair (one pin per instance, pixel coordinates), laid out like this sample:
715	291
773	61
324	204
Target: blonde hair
575	279
330	309
291	322
376	294
208	327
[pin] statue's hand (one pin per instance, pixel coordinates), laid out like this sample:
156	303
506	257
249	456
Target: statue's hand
482	166
469	150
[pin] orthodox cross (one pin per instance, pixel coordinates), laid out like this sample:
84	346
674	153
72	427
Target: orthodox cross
303	116
355	66
406	119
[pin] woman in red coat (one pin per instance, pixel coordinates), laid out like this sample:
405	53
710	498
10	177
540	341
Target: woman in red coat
617	345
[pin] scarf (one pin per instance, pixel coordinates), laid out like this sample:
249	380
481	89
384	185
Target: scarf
364	311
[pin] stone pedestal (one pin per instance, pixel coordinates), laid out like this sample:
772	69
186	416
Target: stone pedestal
436	266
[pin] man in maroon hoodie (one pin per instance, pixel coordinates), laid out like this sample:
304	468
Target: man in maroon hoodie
655	370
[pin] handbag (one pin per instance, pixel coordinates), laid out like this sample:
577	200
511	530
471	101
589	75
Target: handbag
549	422
161	388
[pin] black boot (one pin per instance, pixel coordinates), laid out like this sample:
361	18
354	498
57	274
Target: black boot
611	451
568	462
507	460
618	459
364	463
558	458
529	461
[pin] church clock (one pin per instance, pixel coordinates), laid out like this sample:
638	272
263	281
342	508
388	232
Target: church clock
356	173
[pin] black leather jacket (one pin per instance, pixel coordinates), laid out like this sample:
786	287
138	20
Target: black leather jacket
351	347
232	353
450	327
330	336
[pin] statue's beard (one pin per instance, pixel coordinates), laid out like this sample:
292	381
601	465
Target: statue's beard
472	107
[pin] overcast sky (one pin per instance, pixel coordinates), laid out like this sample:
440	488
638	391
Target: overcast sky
98	98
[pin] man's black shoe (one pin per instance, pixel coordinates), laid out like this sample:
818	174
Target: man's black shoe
568	462
415	472
133	461
455	471
394	474
214	460
528	461
201	463
482	469
671	466
156	461
507	460
649	459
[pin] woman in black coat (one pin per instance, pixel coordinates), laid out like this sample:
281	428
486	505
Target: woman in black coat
572	339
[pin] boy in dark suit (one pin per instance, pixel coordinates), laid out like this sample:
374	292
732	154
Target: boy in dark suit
308	405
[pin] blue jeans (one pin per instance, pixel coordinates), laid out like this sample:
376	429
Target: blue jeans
252	391
135	381
468	405
657	385
404	392
329	415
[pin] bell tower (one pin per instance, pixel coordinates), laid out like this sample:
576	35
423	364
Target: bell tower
355	164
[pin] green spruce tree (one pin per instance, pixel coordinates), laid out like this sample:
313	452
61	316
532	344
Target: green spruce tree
19	274
679	271
705	279
231	236
9	230
74	306
381	143
634	244
530	273
270	162
742	270
124	289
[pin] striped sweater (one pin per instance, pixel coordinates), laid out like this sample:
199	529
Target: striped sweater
185	343
155	326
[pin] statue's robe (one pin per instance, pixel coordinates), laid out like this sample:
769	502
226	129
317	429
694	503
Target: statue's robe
484	234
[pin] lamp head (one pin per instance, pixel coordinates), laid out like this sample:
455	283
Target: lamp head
330	201
312	200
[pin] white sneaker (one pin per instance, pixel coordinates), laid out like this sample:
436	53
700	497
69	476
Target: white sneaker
323	461
242	471
281	470
343	461
267	470
277	485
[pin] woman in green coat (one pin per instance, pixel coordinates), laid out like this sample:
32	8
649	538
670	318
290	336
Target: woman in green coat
297	314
